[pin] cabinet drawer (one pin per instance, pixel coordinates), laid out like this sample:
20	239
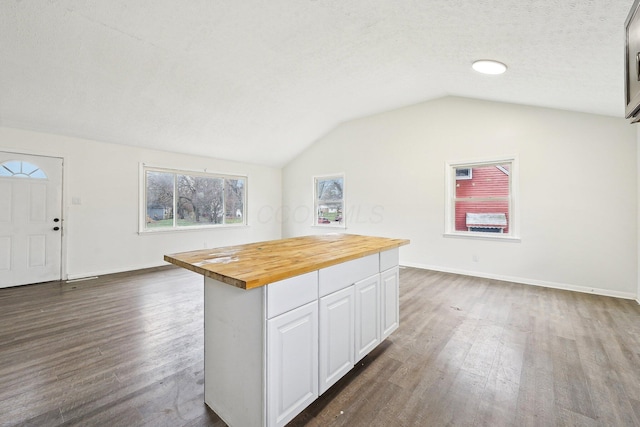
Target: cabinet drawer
340	276
291	293
389	259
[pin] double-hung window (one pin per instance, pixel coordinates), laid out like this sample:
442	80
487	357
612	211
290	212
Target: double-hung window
175	199
481	198
329	200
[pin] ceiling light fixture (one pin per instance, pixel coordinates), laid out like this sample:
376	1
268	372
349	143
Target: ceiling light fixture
488	66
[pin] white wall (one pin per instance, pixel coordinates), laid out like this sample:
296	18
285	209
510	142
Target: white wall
101	234
578	190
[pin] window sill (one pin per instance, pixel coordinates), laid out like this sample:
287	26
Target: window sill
484	236
341	226
193	228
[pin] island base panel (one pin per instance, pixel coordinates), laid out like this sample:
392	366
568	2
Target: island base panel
234	358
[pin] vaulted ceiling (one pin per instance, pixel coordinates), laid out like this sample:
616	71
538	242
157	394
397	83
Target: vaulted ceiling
259	81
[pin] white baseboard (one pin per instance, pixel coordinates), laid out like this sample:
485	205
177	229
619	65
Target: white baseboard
84	275
545	284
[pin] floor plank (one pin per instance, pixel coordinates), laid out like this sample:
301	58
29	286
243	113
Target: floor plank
127	350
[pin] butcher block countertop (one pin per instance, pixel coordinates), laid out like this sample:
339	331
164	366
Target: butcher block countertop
257	264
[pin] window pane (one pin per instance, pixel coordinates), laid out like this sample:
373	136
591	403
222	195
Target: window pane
199	200
330	213
13	166
28	168
20	169
234	201
483	216
329	189
177	199
480	198
159	188
329	200
38	174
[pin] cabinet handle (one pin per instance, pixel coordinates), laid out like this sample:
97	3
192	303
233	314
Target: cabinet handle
56	228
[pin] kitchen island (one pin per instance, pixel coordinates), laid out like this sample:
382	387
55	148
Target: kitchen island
286	319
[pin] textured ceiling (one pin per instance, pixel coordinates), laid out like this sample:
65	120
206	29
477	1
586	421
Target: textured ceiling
259	81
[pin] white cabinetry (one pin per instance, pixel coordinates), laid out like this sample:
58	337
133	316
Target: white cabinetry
390	301
336	336
270	351
292	346
292	363
367	327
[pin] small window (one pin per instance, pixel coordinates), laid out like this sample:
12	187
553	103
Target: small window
181	199
481	198
20	169
329	200
464	173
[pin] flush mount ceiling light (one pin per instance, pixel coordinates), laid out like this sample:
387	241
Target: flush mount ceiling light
488	66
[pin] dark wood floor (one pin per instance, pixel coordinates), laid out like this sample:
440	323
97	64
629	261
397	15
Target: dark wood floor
127	350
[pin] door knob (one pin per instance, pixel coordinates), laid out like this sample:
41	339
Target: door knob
56	228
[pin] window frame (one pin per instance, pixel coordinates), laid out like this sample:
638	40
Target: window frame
513	199
142	214
342	224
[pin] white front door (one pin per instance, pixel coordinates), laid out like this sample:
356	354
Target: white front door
30	219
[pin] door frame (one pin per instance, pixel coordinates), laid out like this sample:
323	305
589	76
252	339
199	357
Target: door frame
63	240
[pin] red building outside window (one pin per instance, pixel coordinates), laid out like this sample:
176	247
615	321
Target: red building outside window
482	198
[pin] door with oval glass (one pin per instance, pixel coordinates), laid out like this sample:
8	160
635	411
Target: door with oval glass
30	219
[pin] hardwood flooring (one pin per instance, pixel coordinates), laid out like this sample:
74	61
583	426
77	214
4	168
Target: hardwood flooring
127	350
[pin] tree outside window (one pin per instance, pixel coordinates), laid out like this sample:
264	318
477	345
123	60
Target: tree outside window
329	200
176	199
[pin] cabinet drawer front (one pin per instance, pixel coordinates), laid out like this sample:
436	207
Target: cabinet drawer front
340	276
389	259
290	293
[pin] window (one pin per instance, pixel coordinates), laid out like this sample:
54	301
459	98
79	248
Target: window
481	198
329	200
180	199
464	173
20	169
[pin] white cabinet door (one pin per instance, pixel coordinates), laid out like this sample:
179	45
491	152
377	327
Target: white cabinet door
336	336
367	315
389	301
292	359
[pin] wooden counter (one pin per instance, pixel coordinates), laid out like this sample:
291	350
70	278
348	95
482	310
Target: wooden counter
257	264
